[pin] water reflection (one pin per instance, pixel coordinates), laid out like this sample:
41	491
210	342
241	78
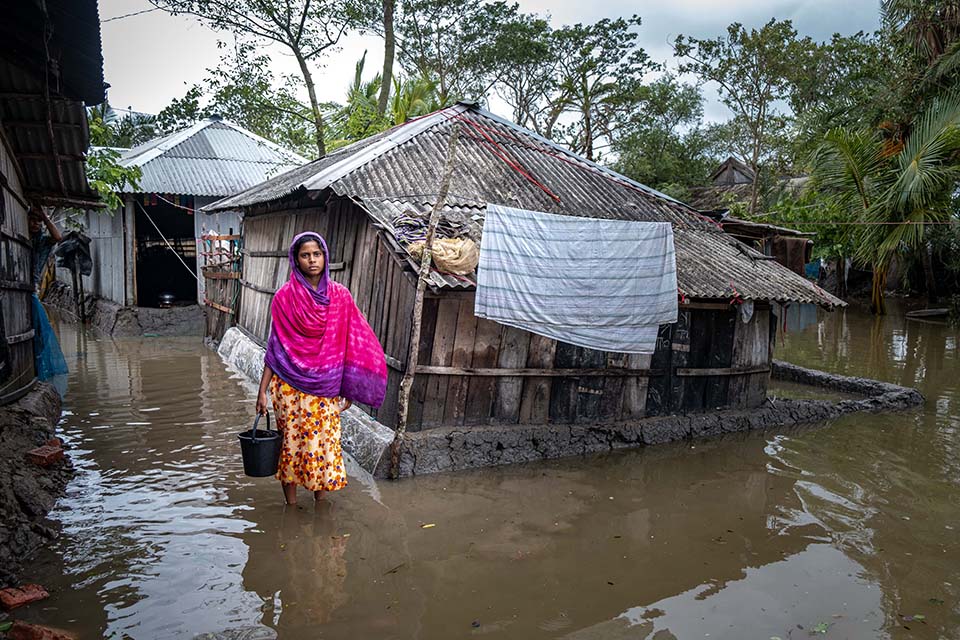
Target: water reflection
849	525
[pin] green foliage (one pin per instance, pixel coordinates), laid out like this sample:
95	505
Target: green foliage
243	90
659	138
464	47
309	29
359	117
104	173
750	69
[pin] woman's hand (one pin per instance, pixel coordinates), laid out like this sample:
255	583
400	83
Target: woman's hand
261	403
344	404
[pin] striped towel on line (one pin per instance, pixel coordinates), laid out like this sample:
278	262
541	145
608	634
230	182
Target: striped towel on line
600	284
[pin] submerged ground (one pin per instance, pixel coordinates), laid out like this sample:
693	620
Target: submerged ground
846	530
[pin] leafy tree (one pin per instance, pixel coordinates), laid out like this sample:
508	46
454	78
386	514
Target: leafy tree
242	89
659	140
892	192
464	47
595	62
104	172
848	81
359	117
751	69
309	29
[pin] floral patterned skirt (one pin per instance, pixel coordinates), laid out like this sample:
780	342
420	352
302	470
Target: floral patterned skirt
311	455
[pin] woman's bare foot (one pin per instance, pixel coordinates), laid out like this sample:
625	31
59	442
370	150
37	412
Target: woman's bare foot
318	495
289	493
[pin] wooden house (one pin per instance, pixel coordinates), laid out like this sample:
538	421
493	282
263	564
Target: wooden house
150	246
45	82
473	371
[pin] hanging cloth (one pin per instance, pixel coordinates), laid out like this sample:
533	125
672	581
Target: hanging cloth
595	283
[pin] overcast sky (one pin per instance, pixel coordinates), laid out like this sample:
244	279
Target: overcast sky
150	59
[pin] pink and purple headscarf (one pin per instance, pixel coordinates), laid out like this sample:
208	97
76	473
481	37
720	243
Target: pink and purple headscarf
320	342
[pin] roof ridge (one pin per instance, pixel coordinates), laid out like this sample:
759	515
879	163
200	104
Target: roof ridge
174	140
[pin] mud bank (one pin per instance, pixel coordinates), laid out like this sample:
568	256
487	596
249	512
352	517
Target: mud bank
120	321
448	449
456	448
27	491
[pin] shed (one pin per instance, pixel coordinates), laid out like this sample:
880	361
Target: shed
473	371
151	245
50	67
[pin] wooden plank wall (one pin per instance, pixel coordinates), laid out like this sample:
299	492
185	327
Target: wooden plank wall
360	259
752	347
452	336
384	287
16	284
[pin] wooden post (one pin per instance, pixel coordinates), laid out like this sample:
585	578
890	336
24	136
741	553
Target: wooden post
425	261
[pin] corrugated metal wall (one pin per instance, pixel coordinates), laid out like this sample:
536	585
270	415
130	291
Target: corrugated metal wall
107	279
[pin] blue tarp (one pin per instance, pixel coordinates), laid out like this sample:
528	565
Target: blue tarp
46	348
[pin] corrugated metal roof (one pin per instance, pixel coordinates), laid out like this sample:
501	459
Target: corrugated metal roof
23	115
499	162
210	158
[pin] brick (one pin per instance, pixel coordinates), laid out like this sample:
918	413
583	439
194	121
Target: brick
14	597
54	442
45	456
23	631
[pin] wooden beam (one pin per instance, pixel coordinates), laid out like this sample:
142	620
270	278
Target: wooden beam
58	201
218	307
41	125
393	363
216	237
221	275
13	285
52	156
722	371
12	95
544	373
257	288
20	337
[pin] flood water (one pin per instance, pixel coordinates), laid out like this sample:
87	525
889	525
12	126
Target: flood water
845	530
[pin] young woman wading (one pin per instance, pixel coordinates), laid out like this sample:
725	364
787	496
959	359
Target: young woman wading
321	356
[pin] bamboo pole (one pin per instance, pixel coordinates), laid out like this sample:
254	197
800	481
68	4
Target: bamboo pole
414	351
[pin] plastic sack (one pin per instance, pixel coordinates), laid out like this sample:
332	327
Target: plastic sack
450	255
46	348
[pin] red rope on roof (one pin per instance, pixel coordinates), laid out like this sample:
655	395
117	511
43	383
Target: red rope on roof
502	155
579	165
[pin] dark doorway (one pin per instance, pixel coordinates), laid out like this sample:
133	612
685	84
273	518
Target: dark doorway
163	219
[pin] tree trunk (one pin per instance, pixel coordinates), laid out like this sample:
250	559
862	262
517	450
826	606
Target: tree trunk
878	304
841	277
926	258
389	50
314	104
406	383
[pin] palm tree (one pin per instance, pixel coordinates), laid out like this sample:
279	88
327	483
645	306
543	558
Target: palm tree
892	190
359	116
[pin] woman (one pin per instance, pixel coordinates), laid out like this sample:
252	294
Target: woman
321	357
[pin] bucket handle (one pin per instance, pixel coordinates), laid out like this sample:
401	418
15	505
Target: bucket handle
253	433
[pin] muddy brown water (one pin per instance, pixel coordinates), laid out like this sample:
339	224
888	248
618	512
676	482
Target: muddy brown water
844	530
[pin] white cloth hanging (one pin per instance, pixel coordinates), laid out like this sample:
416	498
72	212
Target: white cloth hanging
595	283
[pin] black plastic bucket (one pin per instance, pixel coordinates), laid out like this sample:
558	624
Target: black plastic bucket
260	450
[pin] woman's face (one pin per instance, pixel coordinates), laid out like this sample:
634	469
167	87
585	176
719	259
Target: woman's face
310	259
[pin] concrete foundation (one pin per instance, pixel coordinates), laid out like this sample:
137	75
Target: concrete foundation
455	448
121	321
